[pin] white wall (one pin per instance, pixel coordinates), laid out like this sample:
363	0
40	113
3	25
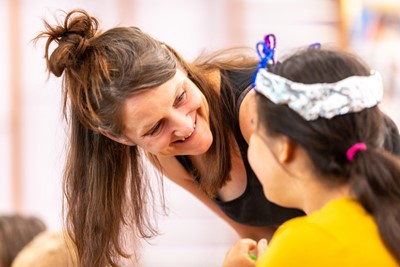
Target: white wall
5	172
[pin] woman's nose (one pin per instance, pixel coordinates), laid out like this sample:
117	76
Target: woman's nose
184	132
184	125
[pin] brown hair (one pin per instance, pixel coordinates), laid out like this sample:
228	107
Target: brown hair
100	70
374	174
15	232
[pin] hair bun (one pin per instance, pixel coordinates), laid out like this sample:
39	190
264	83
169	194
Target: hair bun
73	38
76	42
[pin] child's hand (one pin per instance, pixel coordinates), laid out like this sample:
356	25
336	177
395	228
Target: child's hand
241	254
238	255
261	247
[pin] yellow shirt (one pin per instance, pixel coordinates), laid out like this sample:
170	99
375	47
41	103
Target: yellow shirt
341	234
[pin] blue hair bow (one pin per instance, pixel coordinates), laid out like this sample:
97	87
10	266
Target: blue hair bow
266	52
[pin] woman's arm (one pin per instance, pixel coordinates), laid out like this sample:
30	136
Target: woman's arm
172	169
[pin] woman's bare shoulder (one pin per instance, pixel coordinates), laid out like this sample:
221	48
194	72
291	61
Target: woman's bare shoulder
246	113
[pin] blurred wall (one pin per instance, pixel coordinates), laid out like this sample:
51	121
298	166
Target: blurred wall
5	172
32	131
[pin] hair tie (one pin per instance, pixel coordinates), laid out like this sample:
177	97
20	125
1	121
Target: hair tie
351	152
81	47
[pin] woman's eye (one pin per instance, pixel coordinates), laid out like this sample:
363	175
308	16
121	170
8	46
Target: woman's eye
180	98
154	130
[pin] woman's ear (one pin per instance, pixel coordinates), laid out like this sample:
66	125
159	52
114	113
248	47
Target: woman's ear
119	139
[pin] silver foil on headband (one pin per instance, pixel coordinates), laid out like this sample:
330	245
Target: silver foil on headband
324	100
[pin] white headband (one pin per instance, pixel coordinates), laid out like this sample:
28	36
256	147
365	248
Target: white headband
324	100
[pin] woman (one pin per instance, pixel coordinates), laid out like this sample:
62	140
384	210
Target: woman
127	95
318	127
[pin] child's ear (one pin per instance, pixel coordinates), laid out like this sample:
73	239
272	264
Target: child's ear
119	139
286	150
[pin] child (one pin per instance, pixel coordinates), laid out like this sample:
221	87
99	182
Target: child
317	124
48	249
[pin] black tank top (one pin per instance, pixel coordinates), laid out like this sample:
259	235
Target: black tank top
252	207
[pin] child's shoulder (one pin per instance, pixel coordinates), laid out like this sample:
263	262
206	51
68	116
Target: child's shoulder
335	217
341	230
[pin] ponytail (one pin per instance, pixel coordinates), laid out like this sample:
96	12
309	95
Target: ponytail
375	180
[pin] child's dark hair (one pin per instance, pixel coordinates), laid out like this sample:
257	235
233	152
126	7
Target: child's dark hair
374	174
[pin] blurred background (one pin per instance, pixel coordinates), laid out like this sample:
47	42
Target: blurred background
32	131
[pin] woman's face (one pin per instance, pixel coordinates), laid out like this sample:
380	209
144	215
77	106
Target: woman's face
171	119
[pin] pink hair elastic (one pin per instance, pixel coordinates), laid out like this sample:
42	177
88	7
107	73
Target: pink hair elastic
351	152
